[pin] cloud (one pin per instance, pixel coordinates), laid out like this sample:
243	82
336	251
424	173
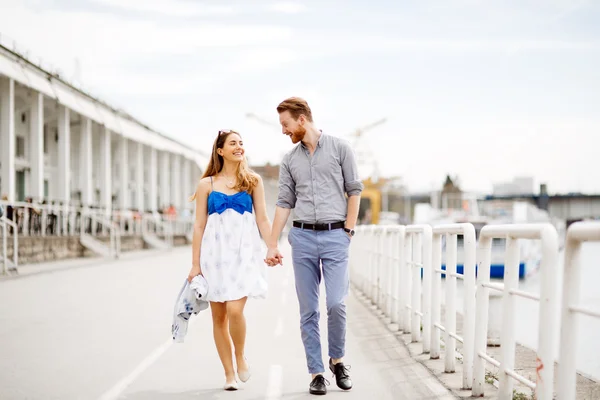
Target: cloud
176	8
287	7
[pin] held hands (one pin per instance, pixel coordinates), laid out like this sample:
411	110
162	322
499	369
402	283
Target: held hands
274	257
195	271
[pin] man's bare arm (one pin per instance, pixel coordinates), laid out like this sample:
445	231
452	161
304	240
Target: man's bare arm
279	221
352	214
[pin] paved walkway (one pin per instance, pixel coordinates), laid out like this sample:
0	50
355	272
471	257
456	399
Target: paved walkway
103	332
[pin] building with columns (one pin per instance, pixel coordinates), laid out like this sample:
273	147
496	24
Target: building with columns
60	144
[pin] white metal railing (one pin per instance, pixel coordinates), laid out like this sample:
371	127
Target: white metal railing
577	233
97	221
153	225
545	361
417	248
33	219
360	254
386	264
397	265
451	231
4	225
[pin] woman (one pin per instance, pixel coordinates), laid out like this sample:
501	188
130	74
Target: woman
227	248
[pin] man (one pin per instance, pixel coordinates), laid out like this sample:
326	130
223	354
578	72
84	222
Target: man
319	180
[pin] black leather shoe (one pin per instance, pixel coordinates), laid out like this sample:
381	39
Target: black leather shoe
342	378
318	385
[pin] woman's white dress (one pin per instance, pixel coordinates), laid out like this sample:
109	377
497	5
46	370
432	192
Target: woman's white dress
232	252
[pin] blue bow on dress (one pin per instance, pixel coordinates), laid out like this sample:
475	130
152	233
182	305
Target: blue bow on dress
240	202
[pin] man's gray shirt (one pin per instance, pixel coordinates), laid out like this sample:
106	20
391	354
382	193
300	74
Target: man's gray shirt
316	186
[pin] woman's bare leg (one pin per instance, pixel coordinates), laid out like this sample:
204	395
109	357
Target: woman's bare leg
222	338
237	329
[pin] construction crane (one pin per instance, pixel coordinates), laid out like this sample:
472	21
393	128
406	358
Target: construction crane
262	120
366	160
360	131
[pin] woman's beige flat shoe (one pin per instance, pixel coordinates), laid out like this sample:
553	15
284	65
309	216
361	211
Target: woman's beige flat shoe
244	375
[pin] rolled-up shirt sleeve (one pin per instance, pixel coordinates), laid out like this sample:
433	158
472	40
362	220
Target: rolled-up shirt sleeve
287	186
352	183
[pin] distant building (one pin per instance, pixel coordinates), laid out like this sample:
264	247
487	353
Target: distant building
518	186
451	194
267	171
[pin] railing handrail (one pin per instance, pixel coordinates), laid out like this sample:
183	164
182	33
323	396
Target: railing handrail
577	233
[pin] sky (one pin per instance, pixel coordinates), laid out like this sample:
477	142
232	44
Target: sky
483	91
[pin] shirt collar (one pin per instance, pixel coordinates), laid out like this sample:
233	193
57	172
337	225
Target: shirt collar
319	141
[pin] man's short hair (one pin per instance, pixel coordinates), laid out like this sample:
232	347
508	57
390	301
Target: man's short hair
296	106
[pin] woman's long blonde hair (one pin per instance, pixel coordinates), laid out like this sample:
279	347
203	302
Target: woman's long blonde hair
246	178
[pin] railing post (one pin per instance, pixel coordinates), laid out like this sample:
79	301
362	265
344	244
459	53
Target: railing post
374	266
450	358
567	378
548	305
408	270
389	266
366	284
426	244
400	244
436	288
484	254
416	287
395	244
507	350
469	246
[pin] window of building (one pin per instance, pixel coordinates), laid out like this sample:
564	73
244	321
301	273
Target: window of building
20	147
45	138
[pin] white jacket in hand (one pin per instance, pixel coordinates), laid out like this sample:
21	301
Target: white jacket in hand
190	301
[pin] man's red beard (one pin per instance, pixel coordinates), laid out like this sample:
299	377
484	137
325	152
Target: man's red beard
298	135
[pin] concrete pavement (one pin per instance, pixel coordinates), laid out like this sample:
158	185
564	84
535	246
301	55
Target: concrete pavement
103	332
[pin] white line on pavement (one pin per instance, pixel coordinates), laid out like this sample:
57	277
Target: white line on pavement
275	382
120	386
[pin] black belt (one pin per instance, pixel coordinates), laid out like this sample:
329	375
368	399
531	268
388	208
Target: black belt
319	227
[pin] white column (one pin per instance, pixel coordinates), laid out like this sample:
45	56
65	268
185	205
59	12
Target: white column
165	183
7	138
139	177
36	149
185	178
106	171
123	174
153	178
64	155
176	180
85	162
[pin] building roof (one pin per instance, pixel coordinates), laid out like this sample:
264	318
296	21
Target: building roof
18	67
